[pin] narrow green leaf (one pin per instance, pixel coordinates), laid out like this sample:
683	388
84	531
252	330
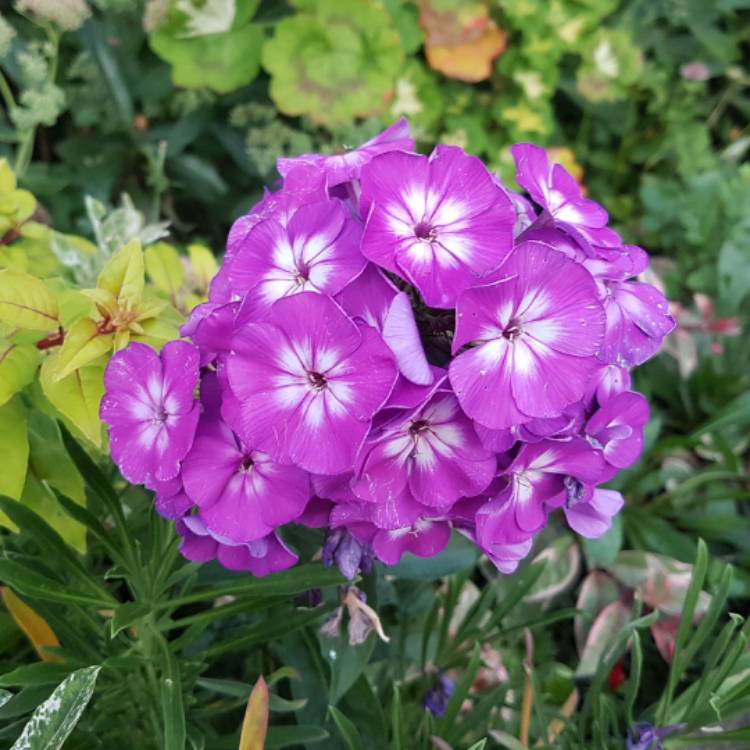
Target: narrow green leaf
634	680
126	615
347	730
55	719
479	745
172	709
5	696
397	720
447	724
506	740
294	736
39	673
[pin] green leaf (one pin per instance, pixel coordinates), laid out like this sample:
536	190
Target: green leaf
346	663
459	555
84	343
602	552
76	396
40	673
172	709
55	719
123	275
164	267
447	724
222	62
18	363
347	730
294	736
26	302
5	696
734	265
126	615
14	448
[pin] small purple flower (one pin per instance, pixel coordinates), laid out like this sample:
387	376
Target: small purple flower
543	475
432	452
151	410
617	430
533	338
638	319
348	553
317	250
345	167
440	222
592	517
437	698
309	381
553	188
645	736
260	557
242	493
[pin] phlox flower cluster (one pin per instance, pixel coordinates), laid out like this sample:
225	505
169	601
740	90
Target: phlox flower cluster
397	347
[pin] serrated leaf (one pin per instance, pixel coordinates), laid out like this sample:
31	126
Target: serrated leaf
84	343
26	302
76	396
164	267
34	627
123	275
54	720
14	448
255	723
18	364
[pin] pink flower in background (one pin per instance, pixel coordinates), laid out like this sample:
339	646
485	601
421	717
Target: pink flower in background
151	410
440	222
309	381
345	167
533	339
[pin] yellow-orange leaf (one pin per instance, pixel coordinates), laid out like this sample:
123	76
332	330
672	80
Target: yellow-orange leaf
36	629
255	723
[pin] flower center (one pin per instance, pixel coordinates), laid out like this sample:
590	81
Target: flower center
161	415
303	273
574	491
246	464
423	231
513	331
418	427
317	381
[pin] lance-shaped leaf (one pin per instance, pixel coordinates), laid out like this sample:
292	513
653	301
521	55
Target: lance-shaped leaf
53	721
84	343
164	267
34	627
603	634
123	275
14	449
18	364
255	723
203	265
26	302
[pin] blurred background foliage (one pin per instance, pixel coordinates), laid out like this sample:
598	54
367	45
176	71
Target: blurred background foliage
182	106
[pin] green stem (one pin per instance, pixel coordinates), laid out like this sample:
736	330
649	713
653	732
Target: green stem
6	93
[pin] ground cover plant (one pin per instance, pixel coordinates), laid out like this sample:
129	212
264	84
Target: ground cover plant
558	560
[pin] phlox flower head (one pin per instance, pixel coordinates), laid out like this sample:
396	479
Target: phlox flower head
397	348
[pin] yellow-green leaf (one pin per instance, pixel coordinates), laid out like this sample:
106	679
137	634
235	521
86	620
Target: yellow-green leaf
7	177
157	331
26	302
34	627
14	449
255	723
76	396
83	344
123	275
17	368
164	267
204	265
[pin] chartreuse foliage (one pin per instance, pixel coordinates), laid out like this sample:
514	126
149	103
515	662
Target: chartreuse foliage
66	305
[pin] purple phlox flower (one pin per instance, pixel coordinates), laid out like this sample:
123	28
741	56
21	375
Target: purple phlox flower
211	327
316	513
607	381
432	452
439	222
171	501
437	698
533	339
645	736
317	250
374	300
260	557
553	189
617	430
334	487
593	517
345	167
362	517
349	554
150	409
638	319
309	381
242	493
524	210
409	395
542	476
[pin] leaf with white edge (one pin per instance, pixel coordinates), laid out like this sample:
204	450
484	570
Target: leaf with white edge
14	449
164	267
123	275
5	696
77	396
203	264
26	302
18	364
603	634
563	558
54	720
83	344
